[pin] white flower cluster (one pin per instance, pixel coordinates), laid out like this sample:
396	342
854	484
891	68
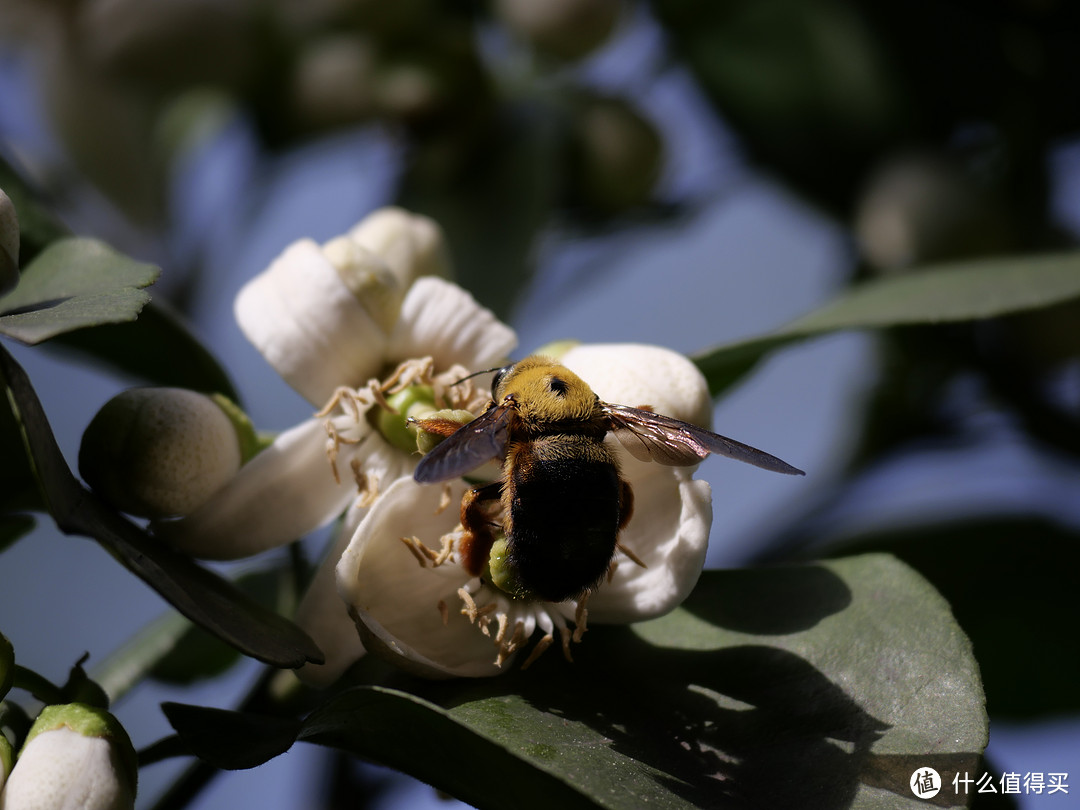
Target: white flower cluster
368	330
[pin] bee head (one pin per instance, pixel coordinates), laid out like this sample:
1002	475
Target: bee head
545	391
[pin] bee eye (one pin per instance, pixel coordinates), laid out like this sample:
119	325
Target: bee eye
497	379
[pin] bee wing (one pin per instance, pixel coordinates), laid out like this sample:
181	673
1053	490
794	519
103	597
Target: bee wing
472	444
651	436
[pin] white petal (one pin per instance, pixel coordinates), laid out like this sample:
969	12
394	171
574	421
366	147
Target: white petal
280	495
636	374
396	601
63	769
442	320
323	615
669	532
308	325
411	244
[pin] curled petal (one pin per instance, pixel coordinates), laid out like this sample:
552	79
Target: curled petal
396	602
442	320
280	495
669	533
309	325
412	245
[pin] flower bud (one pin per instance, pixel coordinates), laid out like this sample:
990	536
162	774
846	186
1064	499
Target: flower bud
157	452
74	756
412	245
9	244
369	278
921	208
568	29
617	156
332	83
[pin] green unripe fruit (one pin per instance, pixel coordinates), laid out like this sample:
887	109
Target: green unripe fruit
158	452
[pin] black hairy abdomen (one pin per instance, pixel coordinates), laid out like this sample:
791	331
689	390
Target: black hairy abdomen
564	515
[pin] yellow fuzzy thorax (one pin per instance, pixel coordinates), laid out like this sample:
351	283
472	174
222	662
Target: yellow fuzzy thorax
547	393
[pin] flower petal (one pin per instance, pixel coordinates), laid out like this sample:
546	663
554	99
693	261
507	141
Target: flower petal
669	532
442	320
308	324
411	244
636	374
283	493
324	617
396	602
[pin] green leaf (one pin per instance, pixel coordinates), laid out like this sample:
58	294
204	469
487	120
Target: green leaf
74	283
945	293
237	740
814	686
202	596
158	348
18	490
1012	582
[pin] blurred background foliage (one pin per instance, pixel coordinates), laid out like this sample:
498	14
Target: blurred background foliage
929	132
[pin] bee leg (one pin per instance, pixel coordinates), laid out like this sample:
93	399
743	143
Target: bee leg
475	545
626	511
626	503
438	426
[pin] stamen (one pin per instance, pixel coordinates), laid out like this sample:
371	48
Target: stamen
332	445
581	616
417	548
633	557
445	498
342	394
375	387
503	620
484	616
566	637
447	550
426	555
367	485
538	650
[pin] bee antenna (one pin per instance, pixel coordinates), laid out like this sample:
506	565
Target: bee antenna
476	374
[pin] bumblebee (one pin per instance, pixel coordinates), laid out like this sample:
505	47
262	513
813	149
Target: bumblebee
548	527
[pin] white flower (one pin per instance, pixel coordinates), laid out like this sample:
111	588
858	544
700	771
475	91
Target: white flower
75	756
412	601
348	325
